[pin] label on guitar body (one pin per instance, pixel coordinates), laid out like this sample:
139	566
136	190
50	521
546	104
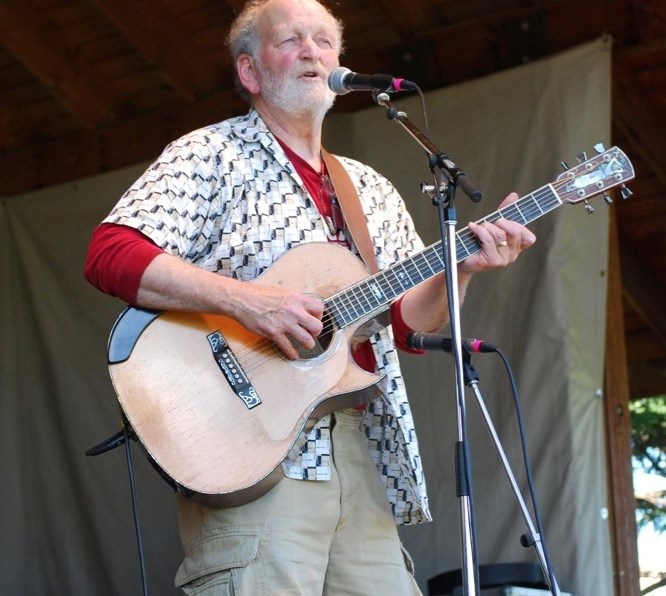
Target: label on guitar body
232	370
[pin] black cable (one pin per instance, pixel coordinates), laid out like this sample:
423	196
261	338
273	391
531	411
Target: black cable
135	511
528	471
424	111
124	436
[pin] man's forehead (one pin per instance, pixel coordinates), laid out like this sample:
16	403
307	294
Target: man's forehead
280	14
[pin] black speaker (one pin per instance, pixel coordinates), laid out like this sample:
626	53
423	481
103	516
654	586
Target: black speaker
527	575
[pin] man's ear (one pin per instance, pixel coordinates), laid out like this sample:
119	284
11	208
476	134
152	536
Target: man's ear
247	73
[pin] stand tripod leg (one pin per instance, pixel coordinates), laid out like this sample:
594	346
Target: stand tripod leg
534	538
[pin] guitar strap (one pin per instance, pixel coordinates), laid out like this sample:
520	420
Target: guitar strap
351	209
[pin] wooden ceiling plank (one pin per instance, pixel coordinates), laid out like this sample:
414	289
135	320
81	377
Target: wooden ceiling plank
150	30
236	5
643	345
643	289
430	51
647	378
37	44
8	123
116	146
638	119
408	18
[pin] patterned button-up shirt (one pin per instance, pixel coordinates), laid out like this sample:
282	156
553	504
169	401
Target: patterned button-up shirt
226	198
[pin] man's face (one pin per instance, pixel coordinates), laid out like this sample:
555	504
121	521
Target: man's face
299	48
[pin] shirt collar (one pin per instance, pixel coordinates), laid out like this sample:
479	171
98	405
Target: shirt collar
251	128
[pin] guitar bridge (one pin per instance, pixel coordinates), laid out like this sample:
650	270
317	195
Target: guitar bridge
232	370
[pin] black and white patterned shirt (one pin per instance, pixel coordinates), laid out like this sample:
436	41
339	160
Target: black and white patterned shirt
227	199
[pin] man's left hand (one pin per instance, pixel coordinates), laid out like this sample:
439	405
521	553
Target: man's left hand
501	242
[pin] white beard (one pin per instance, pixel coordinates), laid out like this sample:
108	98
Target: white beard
300	100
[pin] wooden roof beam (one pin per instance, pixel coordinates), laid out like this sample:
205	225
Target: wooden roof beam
643	289
150	30
236	5
8	128
115	146
35	42
638	119
409	18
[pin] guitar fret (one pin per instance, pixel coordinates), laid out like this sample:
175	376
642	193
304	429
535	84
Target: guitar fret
373	294
351	311
358	301
409	275
331	307
435	259
465	238
514	213
364	300
404	275
340	311
384	282
376	290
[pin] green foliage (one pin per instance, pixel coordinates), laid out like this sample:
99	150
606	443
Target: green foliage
648	420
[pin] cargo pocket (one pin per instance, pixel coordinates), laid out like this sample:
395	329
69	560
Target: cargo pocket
409	562
216	561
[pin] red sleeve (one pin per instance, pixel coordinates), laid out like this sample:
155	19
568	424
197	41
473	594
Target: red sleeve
401	330
117	257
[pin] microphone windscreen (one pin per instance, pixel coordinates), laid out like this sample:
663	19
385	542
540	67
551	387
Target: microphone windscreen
336	80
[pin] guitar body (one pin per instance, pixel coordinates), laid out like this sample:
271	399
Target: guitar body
218	448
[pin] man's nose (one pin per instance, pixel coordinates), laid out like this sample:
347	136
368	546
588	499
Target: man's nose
308	49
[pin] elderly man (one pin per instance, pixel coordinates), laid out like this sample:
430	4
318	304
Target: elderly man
214	211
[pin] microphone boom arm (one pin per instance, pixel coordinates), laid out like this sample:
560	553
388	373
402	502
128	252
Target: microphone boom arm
436	158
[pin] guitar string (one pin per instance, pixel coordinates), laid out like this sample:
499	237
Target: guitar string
465	237
524	210
347	301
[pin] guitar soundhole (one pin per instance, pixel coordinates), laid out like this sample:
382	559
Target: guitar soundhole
322	342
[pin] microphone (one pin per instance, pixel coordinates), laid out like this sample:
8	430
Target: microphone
433	341
342	81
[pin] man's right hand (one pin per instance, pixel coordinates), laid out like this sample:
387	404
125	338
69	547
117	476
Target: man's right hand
280	315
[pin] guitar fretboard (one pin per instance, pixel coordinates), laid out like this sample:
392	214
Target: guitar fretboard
374	294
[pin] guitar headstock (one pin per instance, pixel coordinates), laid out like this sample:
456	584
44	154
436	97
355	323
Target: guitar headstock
599	174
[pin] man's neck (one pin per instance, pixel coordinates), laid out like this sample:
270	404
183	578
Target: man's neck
302	133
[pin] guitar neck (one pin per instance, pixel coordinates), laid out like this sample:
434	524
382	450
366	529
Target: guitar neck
375	293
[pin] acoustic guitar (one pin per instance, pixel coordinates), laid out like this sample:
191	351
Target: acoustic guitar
218	408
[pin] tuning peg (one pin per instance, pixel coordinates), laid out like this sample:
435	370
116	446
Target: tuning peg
588	207
565	165
607	198
599	148
582	156
625	192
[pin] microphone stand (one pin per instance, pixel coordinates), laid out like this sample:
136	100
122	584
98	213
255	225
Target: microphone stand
447	177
